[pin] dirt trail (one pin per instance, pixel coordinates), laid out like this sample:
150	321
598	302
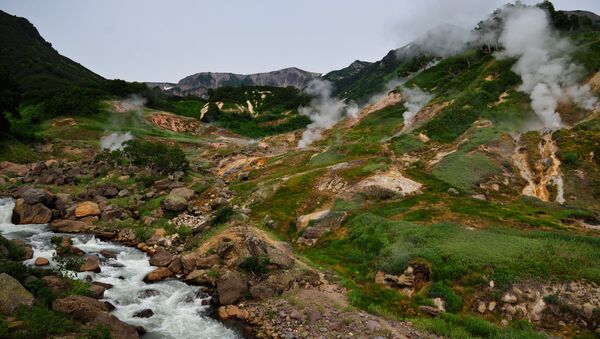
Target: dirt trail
546	171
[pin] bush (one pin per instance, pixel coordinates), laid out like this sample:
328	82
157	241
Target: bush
257	265
161	157
222	215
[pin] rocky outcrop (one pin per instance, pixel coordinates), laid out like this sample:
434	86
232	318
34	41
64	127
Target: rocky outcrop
13	294
549	305
411	280
388	185
320	223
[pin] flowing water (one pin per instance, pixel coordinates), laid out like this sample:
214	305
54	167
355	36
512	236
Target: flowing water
178	308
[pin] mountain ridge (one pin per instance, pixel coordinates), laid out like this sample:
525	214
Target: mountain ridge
198	84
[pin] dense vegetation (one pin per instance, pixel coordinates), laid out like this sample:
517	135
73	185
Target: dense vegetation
274	110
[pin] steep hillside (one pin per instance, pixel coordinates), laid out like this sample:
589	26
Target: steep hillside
199	83
37	67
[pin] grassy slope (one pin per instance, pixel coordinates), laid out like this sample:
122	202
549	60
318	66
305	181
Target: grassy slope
467	241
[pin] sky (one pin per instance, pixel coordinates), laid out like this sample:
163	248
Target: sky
157	40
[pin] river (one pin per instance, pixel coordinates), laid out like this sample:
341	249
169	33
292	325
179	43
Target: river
179	311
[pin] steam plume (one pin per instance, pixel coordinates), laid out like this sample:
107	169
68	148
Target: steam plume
115	141
547	74
414	99
324	111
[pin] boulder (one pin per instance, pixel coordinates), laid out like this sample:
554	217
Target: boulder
188	261
509	298
79	307
91	264
231	311
146	313
41	261
201	277
175	265
108	254
70	226
274	285
13	294
56	284
33	196
158	274
26	249
231	288
148	293
117	328
304	220
162	258
96	291
25	213
106	286
87	208
62	203
174	203
183	192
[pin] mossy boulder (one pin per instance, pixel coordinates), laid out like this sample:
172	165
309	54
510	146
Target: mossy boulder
13	294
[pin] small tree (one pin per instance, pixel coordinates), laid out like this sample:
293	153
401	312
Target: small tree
161	157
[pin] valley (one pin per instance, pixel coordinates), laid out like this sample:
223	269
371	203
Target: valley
420	196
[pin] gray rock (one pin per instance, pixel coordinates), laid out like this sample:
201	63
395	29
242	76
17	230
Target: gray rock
183	192
174	203
13	294
231	288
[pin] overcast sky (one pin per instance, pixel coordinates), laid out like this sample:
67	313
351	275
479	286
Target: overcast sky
158	40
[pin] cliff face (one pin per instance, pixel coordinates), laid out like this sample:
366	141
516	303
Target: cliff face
199	83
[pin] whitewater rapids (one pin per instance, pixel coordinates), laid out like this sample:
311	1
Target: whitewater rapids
179	310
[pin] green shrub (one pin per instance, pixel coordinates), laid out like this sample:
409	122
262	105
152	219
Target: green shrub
143	233
570	159
41	322
185	231
407	143
222	215
257	265
161	157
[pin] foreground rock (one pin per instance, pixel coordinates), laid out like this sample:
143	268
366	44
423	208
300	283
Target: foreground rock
158	274
41	261
25	213
94	313
87	209
231	288
80	308
13	294
117	328
70	226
